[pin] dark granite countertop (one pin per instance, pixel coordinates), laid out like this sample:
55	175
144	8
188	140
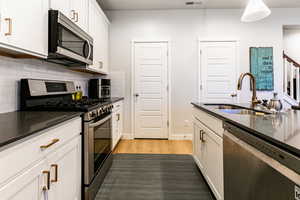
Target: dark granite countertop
282	129
116	99
17	125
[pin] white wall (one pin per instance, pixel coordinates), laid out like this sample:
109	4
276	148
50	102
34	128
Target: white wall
291	43
12	70
183	28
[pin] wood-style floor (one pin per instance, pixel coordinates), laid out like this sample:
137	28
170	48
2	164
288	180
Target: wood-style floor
154	147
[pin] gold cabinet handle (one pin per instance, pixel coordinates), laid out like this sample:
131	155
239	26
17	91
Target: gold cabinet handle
48	179
55	166
73	13
203	133
77	16
9	20
50	144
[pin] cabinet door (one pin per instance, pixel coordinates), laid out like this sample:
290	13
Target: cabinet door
25	25
213	150
64	7
80	7
93	30
198	146
115	129
104	34
65	167
99	31
28	185
121	122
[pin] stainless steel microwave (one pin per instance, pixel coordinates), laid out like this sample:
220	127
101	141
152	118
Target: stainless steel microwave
68	44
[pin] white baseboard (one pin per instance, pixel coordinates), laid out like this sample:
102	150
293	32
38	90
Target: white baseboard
181	137
127	136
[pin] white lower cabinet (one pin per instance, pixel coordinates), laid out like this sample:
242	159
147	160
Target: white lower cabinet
208	154
28	185
65	165
53	174
117	123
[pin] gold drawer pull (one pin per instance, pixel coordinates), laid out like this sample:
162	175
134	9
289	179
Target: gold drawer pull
56	173
9	20
48	179
73	13
77	17
50	144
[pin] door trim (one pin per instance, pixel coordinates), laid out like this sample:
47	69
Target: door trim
133	42
201	40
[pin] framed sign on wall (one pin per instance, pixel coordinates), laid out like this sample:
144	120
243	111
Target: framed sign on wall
261	66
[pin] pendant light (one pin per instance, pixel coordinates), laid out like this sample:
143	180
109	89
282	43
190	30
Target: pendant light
255	10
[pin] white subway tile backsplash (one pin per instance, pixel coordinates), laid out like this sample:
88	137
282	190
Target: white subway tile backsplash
12	70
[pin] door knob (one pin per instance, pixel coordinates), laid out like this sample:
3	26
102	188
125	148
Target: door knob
136	95
233	95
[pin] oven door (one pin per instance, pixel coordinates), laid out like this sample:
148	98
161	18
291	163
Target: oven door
97	146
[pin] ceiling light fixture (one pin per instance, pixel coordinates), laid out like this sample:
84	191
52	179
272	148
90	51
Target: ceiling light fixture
255	10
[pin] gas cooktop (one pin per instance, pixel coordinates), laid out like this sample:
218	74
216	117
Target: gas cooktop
83	105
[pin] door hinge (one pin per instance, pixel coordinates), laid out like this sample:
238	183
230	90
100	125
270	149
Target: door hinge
167	88
167	53
168	123
201	87
200	51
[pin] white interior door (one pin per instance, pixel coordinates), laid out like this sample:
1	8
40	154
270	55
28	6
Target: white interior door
151	93
218	72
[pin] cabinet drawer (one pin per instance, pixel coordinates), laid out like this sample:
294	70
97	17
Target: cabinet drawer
117	106
209	121
23	155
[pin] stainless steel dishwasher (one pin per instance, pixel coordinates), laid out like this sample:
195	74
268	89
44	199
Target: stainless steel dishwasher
257	170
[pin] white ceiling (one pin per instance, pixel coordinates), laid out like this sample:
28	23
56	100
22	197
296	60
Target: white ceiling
180	4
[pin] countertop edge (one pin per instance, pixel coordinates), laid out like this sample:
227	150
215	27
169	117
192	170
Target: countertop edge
22	137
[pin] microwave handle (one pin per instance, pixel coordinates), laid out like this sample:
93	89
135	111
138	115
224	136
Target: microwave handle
90	49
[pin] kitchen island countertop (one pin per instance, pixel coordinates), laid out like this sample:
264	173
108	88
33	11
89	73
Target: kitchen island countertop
282	129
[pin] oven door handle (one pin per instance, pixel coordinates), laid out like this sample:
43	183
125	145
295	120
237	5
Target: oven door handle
99	122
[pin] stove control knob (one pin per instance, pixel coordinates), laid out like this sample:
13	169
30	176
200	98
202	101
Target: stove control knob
93	114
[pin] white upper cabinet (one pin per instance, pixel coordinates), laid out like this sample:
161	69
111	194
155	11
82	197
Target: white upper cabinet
24	26
99	30
81	13
76	10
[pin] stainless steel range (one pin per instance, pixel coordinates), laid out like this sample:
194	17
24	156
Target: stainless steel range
97	148
49	95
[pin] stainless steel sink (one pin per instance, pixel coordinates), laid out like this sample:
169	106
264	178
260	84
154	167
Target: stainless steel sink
233	109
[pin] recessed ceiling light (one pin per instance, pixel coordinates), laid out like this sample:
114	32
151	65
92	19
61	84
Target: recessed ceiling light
192	3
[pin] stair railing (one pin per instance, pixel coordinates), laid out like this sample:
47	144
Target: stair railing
291	78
